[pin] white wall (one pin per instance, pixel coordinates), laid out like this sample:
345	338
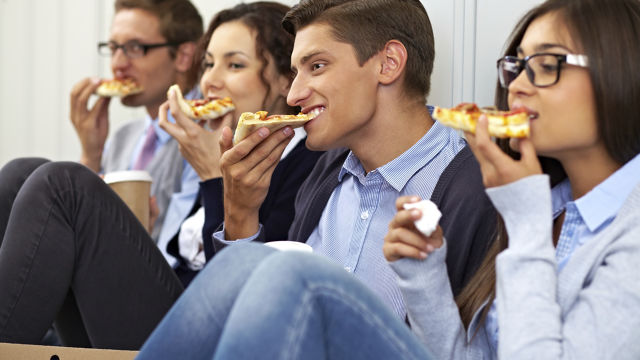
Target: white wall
48	45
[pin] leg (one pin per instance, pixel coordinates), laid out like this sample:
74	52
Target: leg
302	306
69	231
192	327
12	176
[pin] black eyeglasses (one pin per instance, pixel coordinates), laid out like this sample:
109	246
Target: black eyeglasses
543	70
131	49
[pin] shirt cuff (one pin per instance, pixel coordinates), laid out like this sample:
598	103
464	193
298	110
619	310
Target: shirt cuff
219	235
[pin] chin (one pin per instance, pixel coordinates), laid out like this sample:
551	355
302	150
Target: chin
131	100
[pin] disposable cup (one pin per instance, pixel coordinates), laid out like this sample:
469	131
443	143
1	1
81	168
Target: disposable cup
134	188
286	245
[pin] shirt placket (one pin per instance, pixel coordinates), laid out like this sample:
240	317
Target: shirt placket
369	196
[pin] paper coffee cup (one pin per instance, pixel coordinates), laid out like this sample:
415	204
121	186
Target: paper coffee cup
286	245
134	188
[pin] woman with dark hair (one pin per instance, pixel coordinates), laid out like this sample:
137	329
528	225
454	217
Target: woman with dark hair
565	283
86	262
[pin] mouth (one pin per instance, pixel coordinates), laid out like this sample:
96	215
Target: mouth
532	113
314	112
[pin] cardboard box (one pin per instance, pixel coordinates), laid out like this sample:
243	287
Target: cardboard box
39	352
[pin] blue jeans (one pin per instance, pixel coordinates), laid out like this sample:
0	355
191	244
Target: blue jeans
252	302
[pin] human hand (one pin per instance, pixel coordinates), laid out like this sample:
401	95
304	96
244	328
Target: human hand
497	167
198	146
91	125
154	212
403	238
247	168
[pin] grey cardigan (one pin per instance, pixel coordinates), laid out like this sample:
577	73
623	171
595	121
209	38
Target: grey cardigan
591	310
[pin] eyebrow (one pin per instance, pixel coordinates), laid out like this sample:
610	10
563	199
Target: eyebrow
228	54
305	59
543	47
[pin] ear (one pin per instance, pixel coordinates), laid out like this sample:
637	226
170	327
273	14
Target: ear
184	56
393	60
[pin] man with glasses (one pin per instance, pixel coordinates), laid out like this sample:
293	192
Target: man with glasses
152	42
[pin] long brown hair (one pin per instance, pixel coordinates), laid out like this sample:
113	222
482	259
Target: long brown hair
264	18
608	32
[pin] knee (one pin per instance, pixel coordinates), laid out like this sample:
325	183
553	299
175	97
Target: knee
62	175
17	170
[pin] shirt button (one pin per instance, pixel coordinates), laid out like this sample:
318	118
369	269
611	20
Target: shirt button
348	268
364	215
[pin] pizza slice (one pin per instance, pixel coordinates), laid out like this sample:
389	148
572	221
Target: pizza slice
203	109
250	122
502	124
118	87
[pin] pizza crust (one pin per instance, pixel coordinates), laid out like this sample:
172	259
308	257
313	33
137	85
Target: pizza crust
203	109
502	124
250	122
118	87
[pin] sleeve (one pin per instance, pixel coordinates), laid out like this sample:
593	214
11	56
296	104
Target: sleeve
603	320
431	308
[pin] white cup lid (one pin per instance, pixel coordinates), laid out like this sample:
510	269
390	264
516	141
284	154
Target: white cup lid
127	175
286	245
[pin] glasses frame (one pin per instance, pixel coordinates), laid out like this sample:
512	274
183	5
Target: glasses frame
523	64
116	46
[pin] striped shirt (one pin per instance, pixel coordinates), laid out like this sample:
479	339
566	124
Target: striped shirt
355	220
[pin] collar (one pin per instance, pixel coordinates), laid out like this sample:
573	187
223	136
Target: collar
400	170
613	191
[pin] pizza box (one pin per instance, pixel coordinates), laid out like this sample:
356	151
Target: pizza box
38	352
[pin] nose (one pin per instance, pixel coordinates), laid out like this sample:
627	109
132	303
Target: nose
211	79
521	85
119	61
299	91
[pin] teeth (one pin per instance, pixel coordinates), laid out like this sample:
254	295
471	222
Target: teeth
315	112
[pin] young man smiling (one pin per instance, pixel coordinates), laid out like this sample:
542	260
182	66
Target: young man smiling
363	68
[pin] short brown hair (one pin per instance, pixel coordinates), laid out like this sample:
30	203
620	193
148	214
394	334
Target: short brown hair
179	21
263	18
368	25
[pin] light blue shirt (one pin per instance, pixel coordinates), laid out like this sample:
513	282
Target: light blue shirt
584	218
182	201
353	224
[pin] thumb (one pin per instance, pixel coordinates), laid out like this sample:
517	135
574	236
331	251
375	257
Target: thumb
528	153
226	139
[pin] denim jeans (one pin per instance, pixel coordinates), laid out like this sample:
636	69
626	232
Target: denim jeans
252	302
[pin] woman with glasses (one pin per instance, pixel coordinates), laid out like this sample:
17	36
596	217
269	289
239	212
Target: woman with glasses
561	280
85	261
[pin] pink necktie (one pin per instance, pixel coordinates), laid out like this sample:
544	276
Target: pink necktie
148	149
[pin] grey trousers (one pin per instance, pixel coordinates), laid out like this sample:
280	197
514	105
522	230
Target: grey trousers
74	254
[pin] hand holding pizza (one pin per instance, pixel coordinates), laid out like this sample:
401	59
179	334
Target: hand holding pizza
198	146
497	167
247	168
92	125
404	239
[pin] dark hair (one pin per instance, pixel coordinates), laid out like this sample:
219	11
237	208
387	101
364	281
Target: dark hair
264	17
608	33
368	25
179	21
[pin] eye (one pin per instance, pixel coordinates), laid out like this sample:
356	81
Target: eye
207	65
235	65
317	66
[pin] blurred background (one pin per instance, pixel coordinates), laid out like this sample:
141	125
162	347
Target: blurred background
46	46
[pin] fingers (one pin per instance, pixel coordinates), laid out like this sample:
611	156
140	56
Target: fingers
257	161
163	121
404	200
